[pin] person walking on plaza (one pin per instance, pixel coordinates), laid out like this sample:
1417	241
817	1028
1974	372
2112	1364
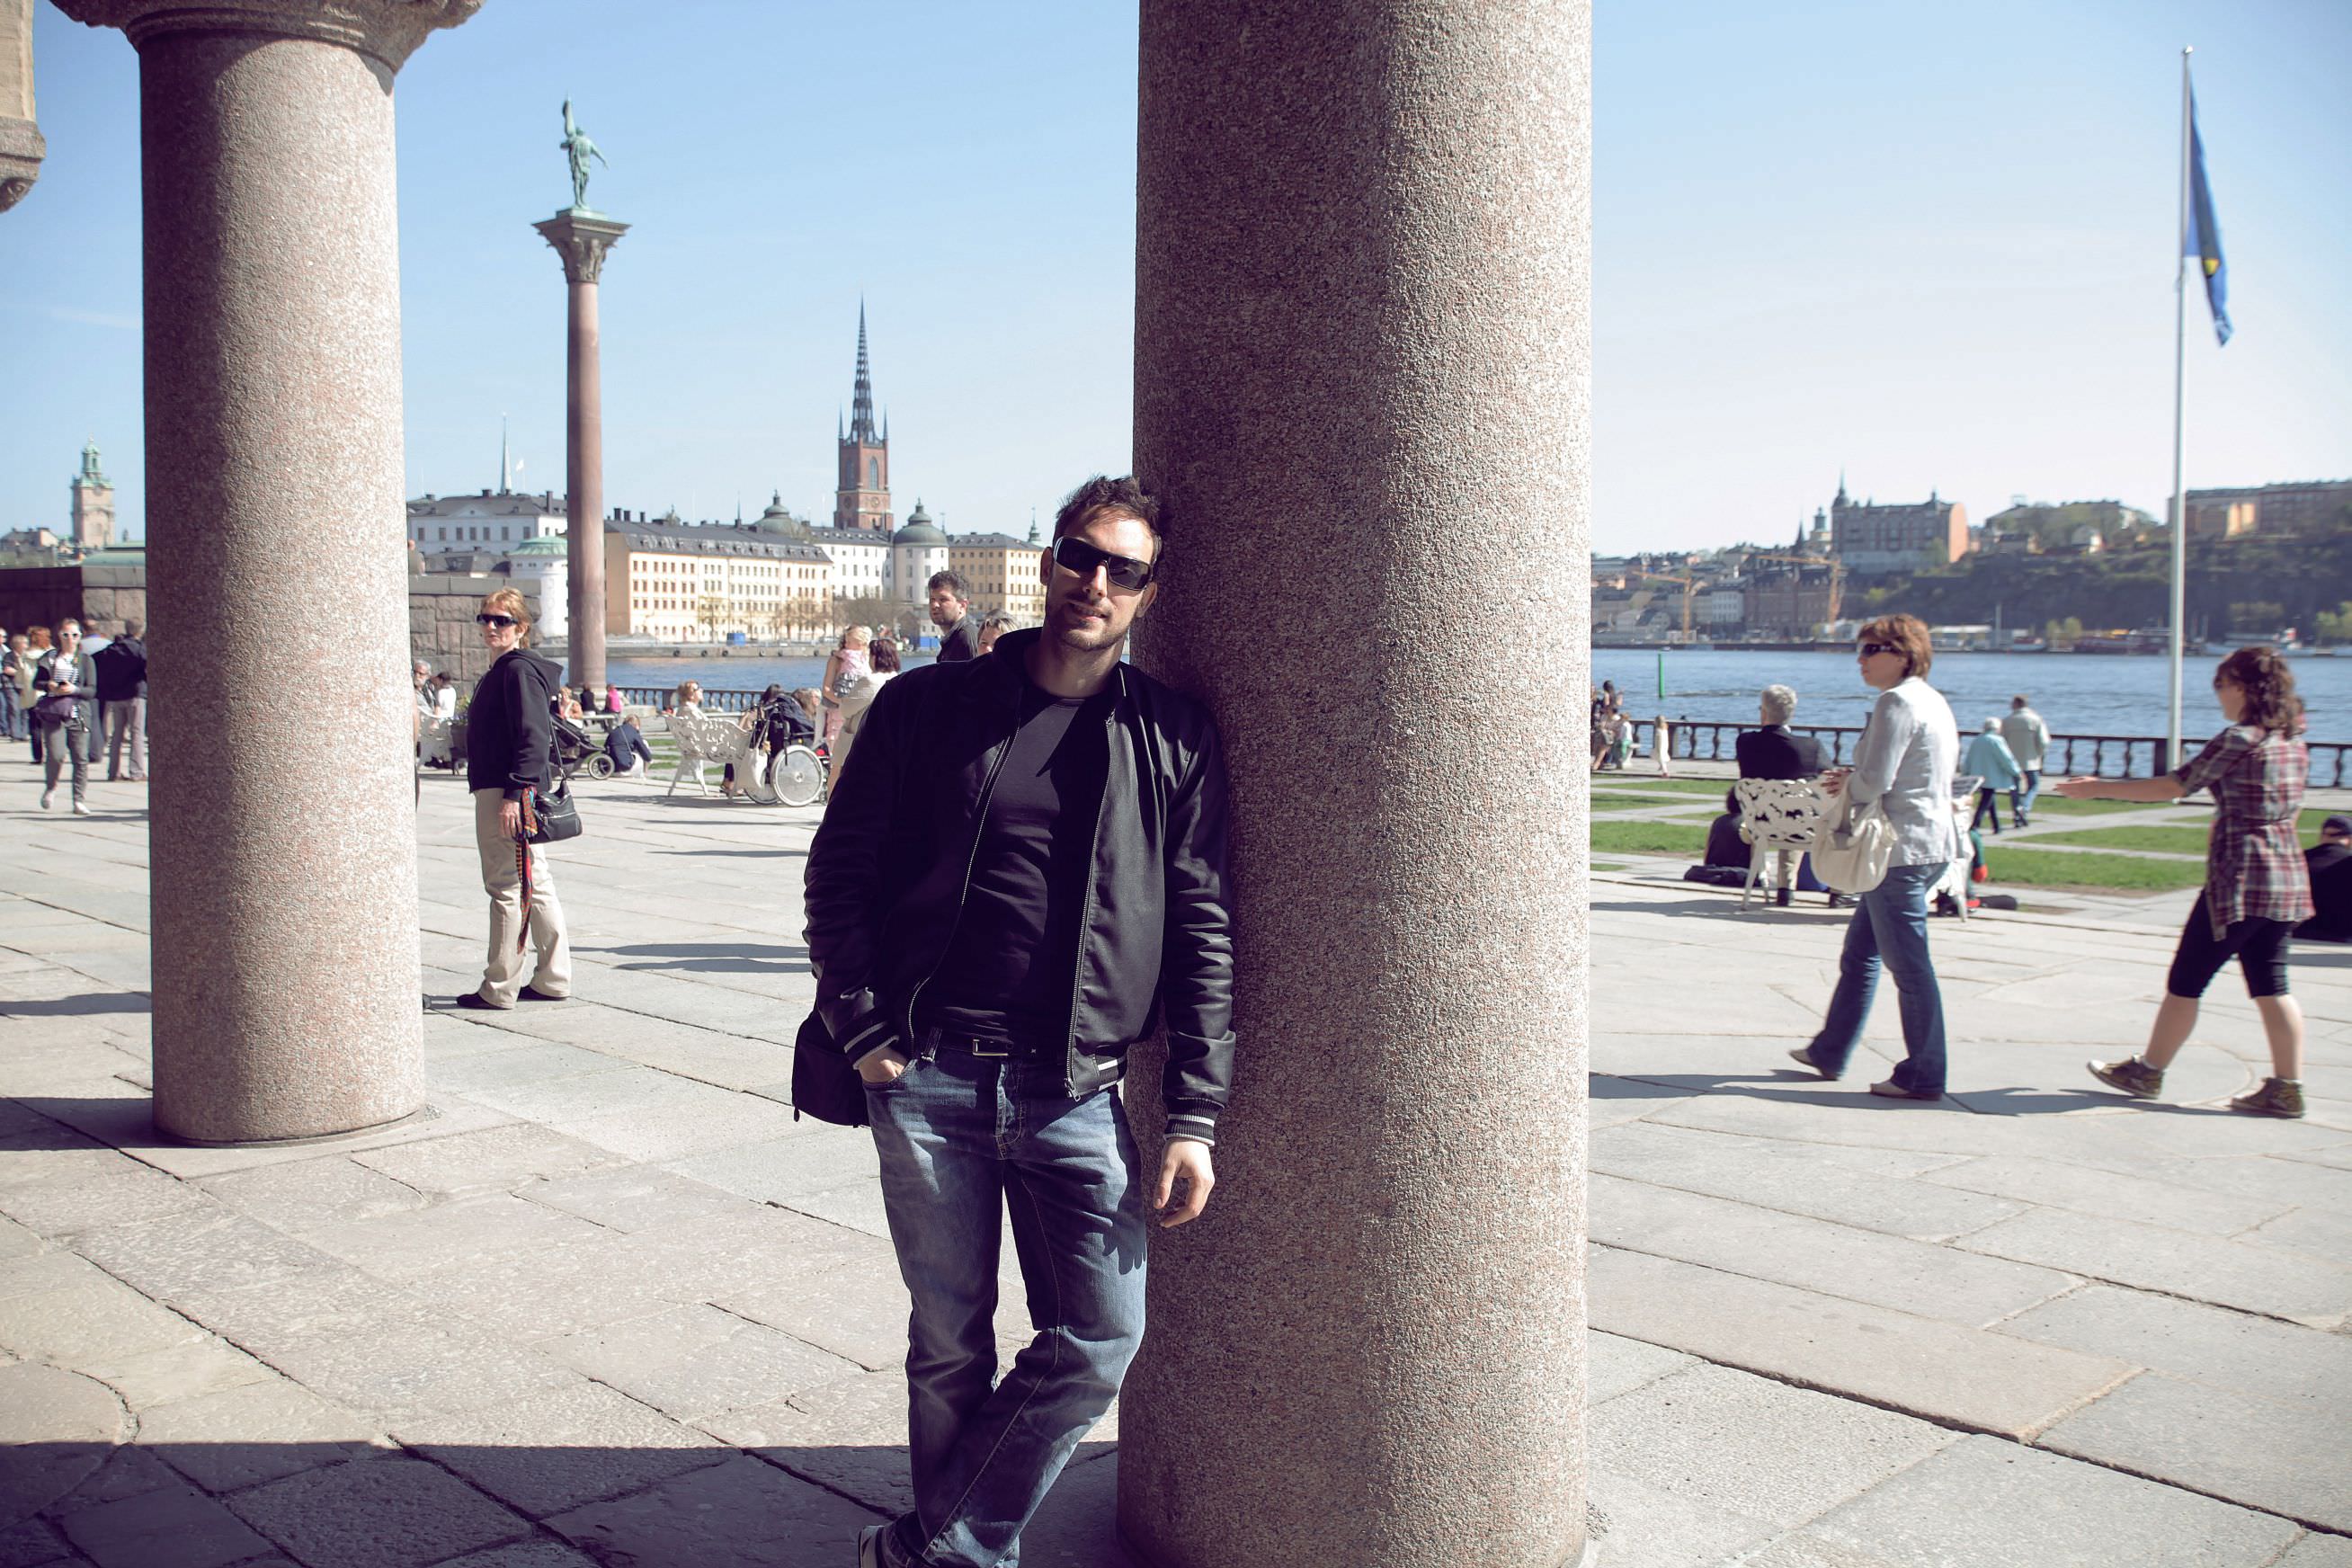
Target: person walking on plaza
509	745
2328	863
1021	873
122	700
950	612
1995	768
15	683
860	700
1902	764
2029	742
844	670
2256	885
66	687
37	647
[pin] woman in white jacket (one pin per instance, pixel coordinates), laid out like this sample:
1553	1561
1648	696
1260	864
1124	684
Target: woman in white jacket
1904	766
884	656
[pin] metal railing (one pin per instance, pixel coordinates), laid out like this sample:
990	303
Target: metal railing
2109	756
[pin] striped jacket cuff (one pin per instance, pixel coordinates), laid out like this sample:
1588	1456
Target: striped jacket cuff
1200	1129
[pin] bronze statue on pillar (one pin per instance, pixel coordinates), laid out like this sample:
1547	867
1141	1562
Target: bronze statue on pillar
582	237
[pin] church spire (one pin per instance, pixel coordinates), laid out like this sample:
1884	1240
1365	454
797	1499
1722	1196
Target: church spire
861	405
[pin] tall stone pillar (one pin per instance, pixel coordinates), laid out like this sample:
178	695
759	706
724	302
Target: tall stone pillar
21	146
582	238
1361	385
284	880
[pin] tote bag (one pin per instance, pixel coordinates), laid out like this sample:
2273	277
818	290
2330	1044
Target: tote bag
1853	848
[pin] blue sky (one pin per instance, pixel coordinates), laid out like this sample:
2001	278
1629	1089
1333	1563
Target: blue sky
1930	245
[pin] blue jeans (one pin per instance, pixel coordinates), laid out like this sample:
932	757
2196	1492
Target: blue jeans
11	717
2020	808
1891	925
962	1139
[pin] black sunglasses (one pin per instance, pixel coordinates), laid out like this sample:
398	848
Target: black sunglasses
1870	648
486	620
1072	553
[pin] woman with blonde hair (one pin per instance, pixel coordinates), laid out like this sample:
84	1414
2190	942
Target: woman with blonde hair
1903	765
510	750
847	666
2257	884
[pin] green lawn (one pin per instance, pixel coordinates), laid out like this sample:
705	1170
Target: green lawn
2070	868
1650	838
2059	805
2177	840
1612	784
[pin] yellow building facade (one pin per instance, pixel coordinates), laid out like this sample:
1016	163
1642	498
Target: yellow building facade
1001	573
679	582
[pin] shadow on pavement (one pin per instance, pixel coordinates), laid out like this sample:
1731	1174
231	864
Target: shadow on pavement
711	957
87	1004
335	1504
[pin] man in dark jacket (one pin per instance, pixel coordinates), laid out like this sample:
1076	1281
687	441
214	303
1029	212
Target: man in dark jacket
2330	864
951	606
123	698
1023	870
1772	751
626	745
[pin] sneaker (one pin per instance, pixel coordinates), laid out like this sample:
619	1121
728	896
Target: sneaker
1891	1090
81	810
47	796
2277	1096
2131	1075
1803	1057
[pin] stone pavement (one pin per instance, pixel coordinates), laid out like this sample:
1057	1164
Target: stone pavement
610	1304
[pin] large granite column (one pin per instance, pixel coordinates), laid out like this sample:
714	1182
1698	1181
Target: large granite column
582	238
280	824
1361	385
21	146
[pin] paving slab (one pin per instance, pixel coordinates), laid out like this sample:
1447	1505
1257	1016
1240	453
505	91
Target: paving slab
401	1247
697	1361
59	1428
2290	1458
1813	1255
848	1435
1865	1188
2178	1263
856	1310
1615	1364
493	1159
777	1171
581	1444
2318	1551
2053	1184
1984	1503
184	1370
632	1198
242	1437
526	1554
377	1512
742	1514
2205	1345
1753	1448
32	1544
308	1194
543	1292
177	1527
703	1118
91	1326
201	1250
1659	1526
2316	1233
1944	1372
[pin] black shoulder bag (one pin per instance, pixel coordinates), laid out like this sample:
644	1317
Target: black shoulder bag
824	1083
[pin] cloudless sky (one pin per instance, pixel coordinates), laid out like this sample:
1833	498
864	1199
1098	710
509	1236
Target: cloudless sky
1930	245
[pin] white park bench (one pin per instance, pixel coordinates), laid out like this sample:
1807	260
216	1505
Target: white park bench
709	738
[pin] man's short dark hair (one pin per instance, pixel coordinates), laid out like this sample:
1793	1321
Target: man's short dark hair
951	582
132	627
2018	700
1123	496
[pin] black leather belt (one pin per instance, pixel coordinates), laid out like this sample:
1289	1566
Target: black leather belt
979	1046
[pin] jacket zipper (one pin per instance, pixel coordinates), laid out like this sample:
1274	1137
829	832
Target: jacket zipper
970	861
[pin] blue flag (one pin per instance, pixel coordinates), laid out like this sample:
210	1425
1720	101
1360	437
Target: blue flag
2203	239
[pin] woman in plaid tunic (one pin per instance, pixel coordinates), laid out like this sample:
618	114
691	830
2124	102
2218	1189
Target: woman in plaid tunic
2256	887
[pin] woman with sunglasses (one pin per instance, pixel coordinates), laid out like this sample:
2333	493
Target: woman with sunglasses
2256	884
1903	765
510	743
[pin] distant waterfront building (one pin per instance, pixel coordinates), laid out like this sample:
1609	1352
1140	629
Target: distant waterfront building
2297	506
93	503
860	559
2074	526
485	521
678	581
1726	607
1001	573
917	551
1792	601
1872	540
861	499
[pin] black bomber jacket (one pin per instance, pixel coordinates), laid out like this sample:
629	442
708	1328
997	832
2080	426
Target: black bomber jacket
891	864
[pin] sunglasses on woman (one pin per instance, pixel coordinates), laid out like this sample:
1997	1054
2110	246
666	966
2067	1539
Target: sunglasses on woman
1869	649
1072	553
486	620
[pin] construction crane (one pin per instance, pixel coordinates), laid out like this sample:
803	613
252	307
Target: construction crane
1690	585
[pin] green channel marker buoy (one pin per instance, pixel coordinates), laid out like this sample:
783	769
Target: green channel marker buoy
1662	672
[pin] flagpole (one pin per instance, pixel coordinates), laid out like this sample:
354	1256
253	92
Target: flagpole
2180	428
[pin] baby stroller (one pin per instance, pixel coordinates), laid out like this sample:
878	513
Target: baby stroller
576	748
787	768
